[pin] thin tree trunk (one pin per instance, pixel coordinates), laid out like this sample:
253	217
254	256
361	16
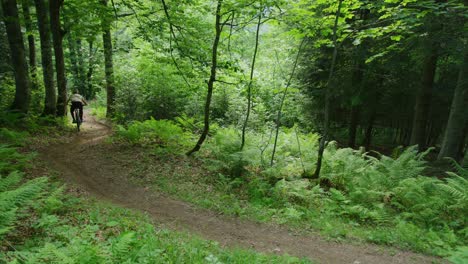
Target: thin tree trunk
353	124
57	37
18	56
109	66
81	68
73	61
214	62
458	117
249	87
89	74
283	98
31	44
368	133
324	138
50	102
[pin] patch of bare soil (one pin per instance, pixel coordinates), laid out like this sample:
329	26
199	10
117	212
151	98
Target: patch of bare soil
85	161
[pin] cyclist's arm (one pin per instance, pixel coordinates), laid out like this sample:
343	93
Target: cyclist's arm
84	101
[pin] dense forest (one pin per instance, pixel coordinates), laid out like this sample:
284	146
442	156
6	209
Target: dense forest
347	118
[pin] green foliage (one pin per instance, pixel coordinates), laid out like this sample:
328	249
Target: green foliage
15	124
15	196
39	223
459	256
384	200
15	138
11	160
294	154
163	134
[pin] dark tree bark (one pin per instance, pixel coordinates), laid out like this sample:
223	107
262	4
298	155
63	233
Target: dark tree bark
424	96
18	56
249	87
109	66
31	44
211	81
458	117
356	82
50	103
423	103
368	133
5	59
325	132
57	36
353	124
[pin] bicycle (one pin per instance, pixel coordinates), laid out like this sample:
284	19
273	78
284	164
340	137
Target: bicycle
76	115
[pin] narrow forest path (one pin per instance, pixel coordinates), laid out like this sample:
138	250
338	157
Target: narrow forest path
82	161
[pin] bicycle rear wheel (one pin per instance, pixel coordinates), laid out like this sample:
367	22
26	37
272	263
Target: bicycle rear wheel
77	119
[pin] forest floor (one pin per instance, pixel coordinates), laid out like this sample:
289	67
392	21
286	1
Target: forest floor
86	161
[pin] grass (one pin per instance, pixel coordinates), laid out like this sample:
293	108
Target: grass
88	231
57	225
190	180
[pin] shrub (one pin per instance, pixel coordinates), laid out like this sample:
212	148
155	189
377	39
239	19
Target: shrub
164	134
290	160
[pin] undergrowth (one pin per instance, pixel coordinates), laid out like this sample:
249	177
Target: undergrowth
162	135
41	223
385	199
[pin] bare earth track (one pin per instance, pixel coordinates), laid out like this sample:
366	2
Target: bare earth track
82	162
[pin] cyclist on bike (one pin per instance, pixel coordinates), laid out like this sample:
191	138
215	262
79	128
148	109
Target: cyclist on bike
77	101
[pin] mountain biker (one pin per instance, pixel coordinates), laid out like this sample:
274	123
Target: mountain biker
77	101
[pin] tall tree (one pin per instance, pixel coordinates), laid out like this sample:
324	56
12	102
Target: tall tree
431	49
356	82
89	74
328	91
249	86
211	81
423	98
46	58
31	43
458	118
109	65
73	61
18	56
57	36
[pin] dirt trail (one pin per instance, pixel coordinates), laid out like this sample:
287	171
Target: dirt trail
81	162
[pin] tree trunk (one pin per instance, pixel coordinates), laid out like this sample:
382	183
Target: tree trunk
458	117
324	138
368	133
57	36
214	63
353	124
109	66
423	100
31	44
249	87
18	56
73	61
283	98
81	69
89	74
46	58
5	58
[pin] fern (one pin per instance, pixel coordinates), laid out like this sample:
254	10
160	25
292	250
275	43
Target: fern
13	179
122	246
12	199
459	170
